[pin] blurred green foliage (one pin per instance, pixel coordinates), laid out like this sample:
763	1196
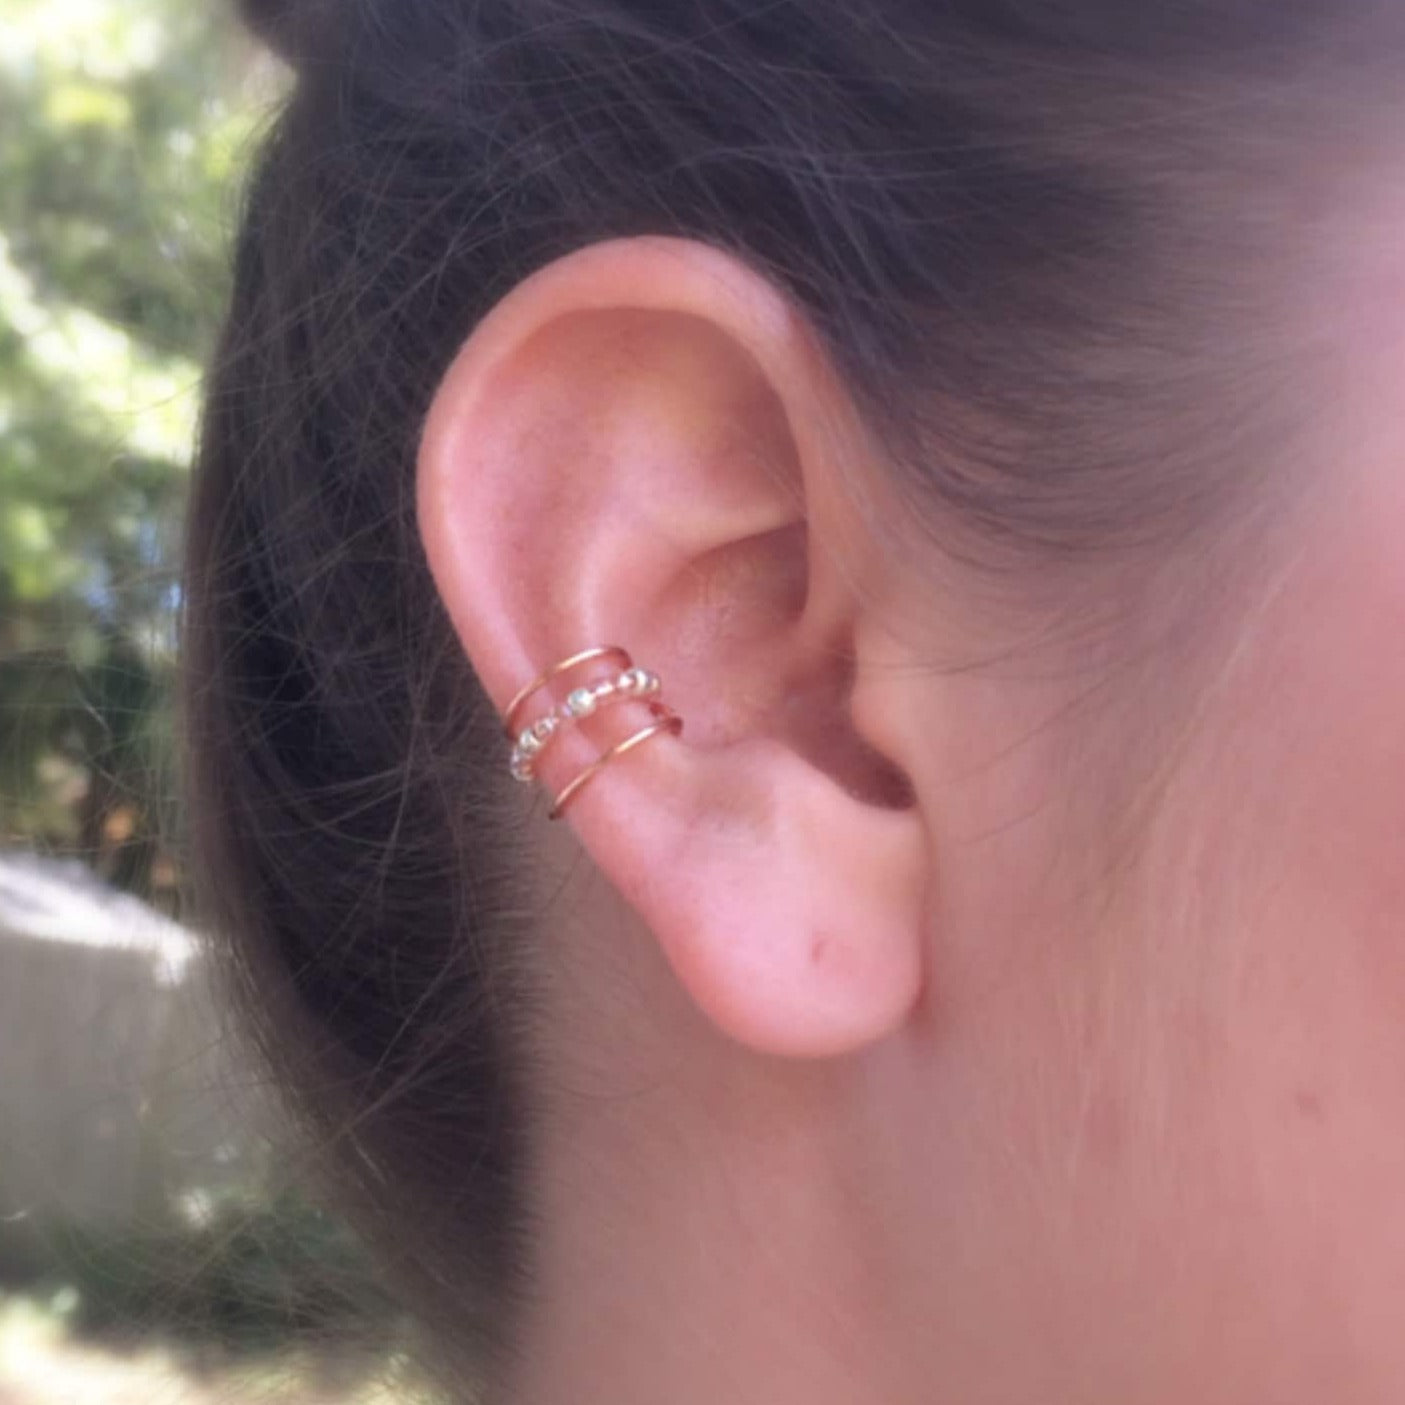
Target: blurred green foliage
122	127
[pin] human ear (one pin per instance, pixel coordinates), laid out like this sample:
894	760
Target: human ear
642	445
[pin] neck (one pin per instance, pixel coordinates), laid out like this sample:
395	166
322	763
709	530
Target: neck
750	1271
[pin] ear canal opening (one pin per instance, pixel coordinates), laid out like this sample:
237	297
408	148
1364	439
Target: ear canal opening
866	774
884	784
820	728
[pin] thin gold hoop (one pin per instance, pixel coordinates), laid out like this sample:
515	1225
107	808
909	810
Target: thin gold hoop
545	677
629	684
670	723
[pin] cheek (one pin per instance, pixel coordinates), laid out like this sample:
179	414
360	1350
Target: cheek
1309	1089
1336	718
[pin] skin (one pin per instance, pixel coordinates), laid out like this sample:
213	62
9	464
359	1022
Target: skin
1073	1073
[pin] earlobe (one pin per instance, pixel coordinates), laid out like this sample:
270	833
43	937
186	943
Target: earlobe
623	453
806	939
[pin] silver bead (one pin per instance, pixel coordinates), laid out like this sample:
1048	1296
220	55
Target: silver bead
637	682
580	702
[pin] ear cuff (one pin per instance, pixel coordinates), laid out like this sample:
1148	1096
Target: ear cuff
627	683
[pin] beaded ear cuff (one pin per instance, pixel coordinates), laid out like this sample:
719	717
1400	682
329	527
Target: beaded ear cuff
625	684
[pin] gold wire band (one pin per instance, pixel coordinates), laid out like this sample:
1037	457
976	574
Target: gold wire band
672	723
545	677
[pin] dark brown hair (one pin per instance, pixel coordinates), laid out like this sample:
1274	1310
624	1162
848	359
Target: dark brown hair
1025	230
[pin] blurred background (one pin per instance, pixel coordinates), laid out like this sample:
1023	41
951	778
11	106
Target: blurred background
154	1243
